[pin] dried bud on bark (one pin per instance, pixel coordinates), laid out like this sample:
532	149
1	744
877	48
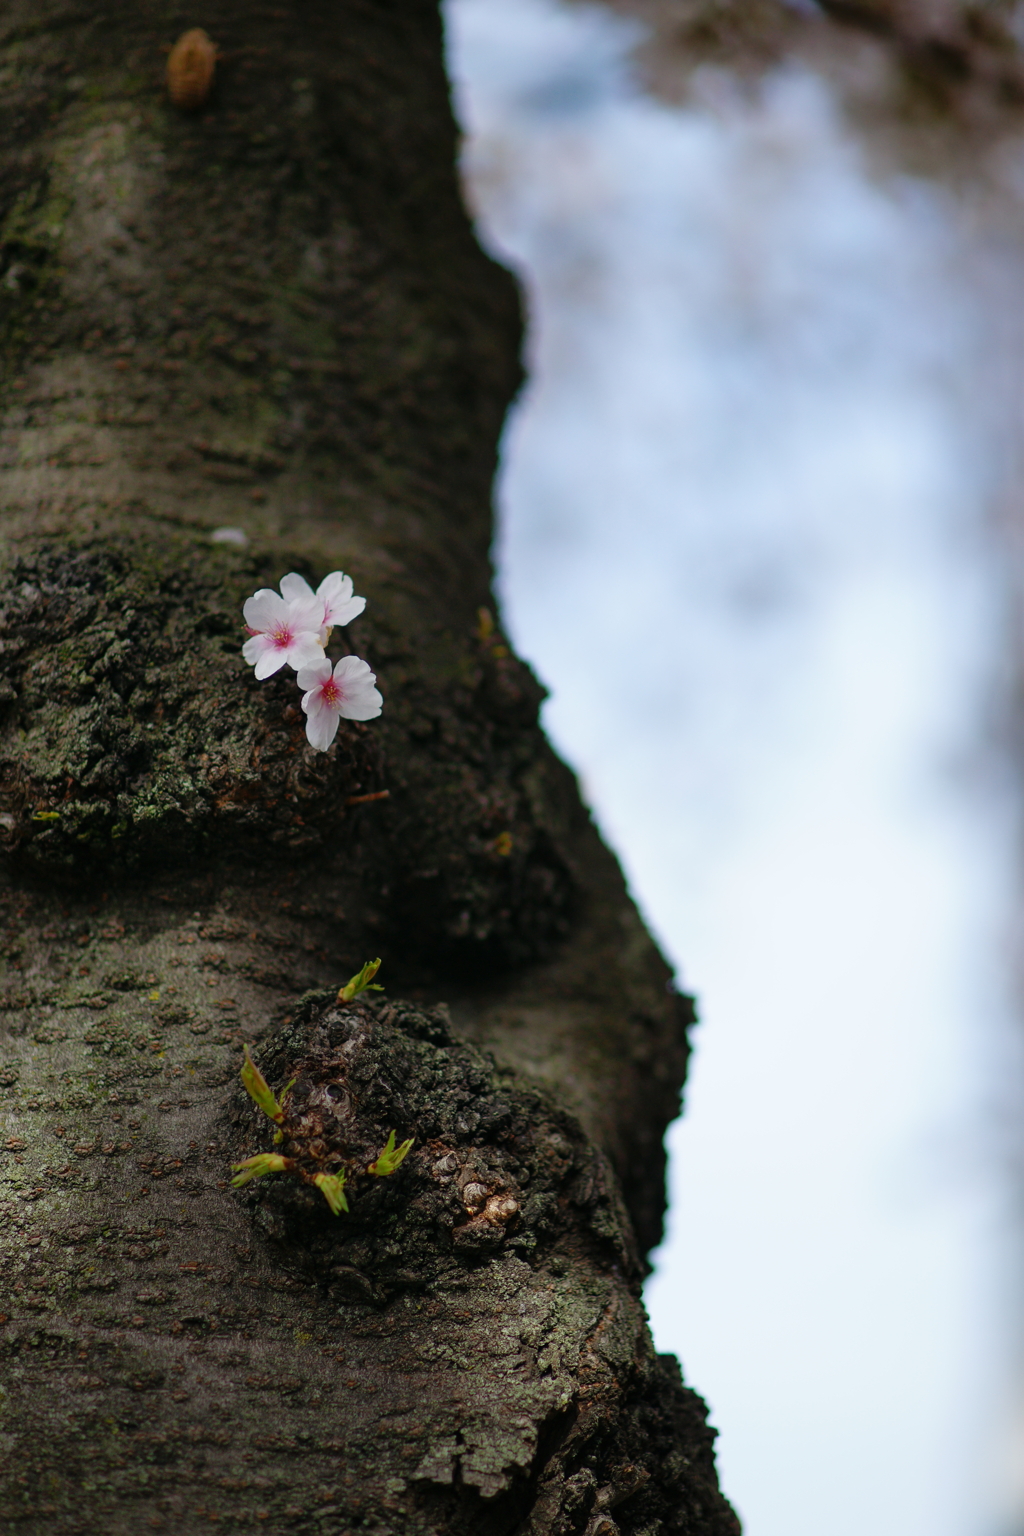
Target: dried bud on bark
190	68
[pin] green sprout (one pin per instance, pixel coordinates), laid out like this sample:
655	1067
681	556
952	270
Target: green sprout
362	981
46	815
256	1167
256	1086
332	1187
391	1157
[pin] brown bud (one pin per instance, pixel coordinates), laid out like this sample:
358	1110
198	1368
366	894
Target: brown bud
190	69
500	1209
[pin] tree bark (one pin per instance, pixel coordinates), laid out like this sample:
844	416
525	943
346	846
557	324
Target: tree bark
271	315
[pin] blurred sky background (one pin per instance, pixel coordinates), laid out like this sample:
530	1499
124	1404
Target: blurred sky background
746	513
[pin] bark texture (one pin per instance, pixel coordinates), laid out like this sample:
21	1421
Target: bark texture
271	315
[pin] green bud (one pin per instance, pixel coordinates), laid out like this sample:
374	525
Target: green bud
332	1187
361	982
256	1086
391	1156
256	1167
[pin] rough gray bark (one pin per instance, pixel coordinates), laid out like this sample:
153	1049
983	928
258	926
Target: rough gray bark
273	315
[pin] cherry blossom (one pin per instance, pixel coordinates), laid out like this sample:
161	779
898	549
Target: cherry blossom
340	606
282	631
346	693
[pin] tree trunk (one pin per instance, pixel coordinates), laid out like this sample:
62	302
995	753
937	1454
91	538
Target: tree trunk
269	314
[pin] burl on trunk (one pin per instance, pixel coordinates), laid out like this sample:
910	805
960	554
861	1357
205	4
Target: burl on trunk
262	310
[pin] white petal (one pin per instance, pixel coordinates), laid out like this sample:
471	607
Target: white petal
255	651
295	588
305	651
313	676
264	609
344	612
336	585
366	705
321	726
350	668
360	699
340	607
306	613
270	662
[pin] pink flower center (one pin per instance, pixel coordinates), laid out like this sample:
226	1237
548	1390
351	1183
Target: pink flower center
282	637
330	693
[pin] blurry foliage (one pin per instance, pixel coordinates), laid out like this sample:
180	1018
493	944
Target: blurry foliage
962	60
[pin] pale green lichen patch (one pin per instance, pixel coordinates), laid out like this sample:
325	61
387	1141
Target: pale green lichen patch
133	737
132	733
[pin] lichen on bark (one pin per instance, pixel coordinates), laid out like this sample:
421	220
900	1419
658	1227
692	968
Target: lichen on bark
135	735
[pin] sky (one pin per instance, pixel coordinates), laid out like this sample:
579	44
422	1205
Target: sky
745	539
